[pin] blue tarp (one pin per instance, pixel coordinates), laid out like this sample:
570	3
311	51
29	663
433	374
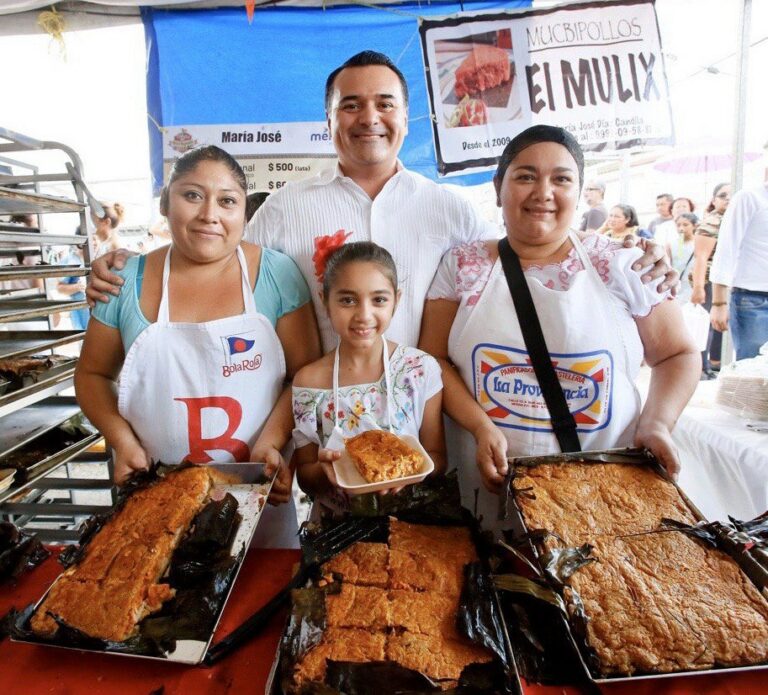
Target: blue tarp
212	67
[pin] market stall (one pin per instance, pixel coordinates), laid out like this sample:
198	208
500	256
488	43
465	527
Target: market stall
407	588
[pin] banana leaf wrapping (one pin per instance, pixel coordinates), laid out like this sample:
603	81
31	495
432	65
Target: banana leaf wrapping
201	570
546	618
19	551
435	502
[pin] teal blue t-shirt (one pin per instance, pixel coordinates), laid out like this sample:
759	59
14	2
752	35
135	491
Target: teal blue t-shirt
280	289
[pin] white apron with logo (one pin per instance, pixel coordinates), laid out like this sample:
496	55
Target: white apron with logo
201	392
596	351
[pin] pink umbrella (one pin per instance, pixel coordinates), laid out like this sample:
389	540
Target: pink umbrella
699	163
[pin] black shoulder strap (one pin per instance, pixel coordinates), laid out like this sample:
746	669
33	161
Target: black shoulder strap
563	423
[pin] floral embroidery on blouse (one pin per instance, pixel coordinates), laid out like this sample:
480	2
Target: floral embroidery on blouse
364	406
473	267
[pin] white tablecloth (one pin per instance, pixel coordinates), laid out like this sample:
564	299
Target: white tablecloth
724	464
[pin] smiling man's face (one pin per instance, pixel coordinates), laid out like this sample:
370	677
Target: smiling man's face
368	118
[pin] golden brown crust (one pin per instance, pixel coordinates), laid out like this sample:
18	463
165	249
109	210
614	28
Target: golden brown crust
364	564
453	542
379	455
116	584
433	656
416	617
414	572
364	607
579	501
664	602
426	613
340	644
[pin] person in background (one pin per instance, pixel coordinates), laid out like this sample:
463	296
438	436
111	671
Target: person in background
105	233
681	253
74	287
664	210
593	218
740	264
665	232
366	382
704	244
681	205
24	259
621	223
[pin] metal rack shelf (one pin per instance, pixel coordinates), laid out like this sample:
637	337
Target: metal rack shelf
16	202
26	272
12	310
32	478
28	423
48	494
21	343
28	237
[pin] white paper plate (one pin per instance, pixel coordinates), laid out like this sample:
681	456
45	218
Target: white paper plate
349	478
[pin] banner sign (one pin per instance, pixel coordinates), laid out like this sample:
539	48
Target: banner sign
595	69
271	154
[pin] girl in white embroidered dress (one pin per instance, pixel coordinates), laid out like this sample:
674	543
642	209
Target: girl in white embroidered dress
360	294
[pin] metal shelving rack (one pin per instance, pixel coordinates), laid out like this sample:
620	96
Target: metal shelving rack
46	499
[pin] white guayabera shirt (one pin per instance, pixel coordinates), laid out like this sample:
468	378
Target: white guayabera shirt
414	218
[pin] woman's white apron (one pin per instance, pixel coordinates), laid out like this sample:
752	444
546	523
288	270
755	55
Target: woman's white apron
201	392
595	348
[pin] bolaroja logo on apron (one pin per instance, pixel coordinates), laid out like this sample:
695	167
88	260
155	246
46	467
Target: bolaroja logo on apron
507	389
239	353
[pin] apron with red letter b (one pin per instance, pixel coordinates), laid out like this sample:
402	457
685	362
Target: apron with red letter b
201	392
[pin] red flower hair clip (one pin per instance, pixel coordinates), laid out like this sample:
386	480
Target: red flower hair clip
324	247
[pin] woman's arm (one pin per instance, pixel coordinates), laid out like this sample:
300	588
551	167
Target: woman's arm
431	433
457	400
675	370
703	246
100	361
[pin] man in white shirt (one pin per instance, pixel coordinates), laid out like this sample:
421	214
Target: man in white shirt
740	264
370	195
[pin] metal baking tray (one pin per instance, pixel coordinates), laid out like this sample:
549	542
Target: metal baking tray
55	376
22	426
251	494
56	455
25	272
21	343
633	456
273	686
12	310
16	202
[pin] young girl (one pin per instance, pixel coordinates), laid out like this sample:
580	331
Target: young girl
367	382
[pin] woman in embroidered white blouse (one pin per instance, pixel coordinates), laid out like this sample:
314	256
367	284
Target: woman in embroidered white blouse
598	319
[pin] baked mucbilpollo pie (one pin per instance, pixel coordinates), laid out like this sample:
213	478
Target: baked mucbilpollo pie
655	599
398	602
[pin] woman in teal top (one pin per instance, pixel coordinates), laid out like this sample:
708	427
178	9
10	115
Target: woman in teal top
280	289
204	336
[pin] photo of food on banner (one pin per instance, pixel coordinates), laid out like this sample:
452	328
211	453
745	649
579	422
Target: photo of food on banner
477	73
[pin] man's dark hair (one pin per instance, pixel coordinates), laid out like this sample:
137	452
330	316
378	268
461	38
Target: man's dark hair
361	60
